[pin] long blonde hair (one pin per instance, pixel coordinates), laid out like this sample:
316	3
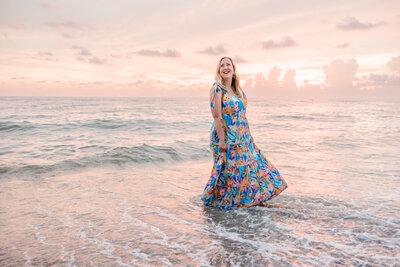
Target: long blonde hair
235	78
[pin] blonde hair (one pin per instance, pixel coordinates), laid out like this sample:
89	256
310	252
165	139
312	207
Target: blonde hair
235	78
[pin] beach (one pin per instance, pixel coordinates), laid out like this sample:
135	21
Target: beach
118	181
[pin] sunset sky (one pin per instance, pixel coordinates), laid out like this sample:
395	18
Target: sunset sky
286	48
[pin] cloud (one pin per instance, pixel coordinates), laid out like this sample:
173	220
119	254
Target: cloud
260	82
286	42
44	55
82	50
340	80
166	53
342	45
394	64
274	75
384	79
96	60
288	79
64	24
239	59
217	50
270	86
85	55
140	87
93	60
67	36
351	23
340	74
46	5
379	85
19	78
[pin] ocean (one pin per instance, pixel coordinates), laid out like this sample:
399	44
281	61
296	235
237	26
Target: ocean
118	181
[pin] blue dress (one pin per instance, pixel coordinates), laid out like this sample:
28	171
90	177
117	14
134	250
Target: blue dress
241	177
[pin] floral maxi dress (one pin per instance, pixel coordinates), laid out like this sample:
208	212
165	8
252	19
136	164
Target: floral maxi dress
241	177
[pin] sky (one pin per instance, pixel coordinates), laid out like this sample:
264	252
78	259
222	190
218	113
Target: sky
282	49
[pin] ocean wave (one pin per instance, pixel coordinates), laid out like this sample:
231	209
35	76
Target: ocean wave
98	124
313	117
116	157
12	126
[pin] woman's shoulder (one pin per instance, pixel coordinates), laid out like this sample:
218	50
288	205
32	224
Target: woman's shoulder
217	87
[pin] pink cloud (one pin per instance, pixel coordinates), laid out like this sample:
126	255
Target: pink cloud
351	23
46	5
217	50
82	50
67	36
394	64
285	42
271	86
340	82
166	53
85	55
44	55
239	59
379	83
339	75
64	24
342	45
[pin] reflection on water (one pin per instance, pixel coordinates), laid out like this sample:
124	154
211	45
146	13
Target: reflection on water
301	230
154	216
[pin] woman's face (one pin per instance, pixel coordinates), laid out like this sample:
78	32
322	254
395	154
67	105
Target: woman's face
226	69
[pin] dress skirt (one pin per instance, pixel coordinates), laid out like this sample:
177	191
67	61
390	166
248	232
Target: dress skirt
242	176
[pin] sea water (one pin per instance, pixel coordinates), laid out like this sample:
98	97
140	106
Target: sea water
118	181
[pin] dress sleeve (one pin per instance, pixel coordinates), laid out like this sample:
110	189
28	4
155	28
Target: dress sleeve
215	90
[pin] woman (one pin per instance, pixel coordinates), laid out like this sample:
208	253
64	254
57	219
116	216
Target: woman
241	175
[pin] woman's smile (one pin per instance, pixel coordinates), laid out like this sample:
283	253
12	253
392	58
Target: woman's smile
226	68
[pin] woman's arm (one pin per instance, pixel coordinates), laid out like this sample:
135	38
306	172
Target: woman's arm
216	111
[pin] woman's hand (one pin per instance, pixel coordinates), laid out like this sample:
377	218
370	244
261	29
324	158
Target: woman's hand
222	146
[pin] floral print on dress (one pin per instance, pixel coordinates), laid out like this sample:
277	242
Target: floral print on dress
242	176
